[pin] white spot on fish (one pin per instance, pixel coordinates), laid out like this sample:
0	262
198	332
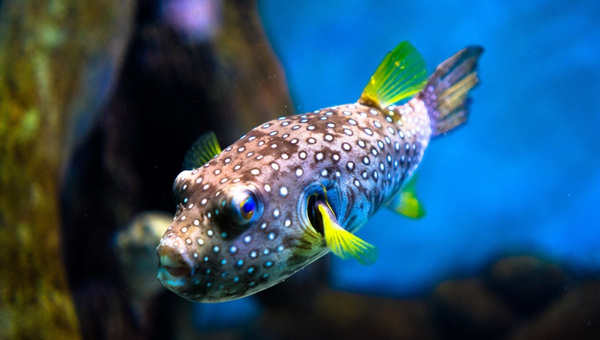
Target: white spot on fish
283	191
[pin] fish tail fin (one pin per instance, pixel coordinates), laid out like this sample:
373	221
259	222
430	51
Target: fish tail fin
446	92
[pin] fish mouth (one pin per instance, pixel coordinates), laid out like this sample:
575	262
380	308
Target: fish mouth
174	268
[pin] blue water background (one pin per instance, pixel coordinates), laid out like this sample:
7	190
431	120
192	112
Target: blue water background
521	177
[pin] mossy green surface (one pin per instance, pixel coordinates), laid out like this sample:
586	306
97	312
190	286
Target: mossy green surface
46	47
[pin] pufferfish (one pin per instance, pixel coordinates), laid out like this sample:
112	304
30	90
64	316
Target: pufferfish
295	188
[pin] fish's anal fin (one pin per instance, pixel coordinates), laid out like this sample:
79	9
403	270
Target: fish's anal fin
342	242
205	148
401	74
406	203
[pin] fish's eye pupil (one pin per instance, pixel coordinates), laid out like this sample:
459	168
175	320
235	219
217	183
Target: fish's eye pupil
248	207
244	208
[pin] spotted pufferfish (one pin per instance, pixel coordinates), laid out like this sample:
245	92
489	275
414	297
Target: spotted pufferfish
297	187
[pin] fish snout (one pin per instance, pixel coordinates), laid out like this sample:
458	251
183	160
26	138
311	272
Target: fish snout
174	265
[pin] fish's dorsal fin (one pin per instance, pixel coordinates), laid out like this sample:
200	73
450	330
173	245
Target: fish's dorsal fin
342	242
401	74
203	150
405	202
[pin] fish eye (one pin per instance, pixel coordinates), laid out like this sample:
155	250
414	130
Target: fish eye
244	207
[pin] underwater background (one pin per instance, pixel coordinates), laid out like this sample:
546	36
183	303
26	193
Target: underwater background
105	100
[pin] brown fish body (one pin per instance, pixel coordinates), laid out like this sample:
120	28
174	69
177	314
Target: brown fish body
258	211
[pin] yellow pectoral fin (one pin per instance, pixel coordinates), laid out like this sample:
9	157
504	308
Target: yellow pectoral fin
342	242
